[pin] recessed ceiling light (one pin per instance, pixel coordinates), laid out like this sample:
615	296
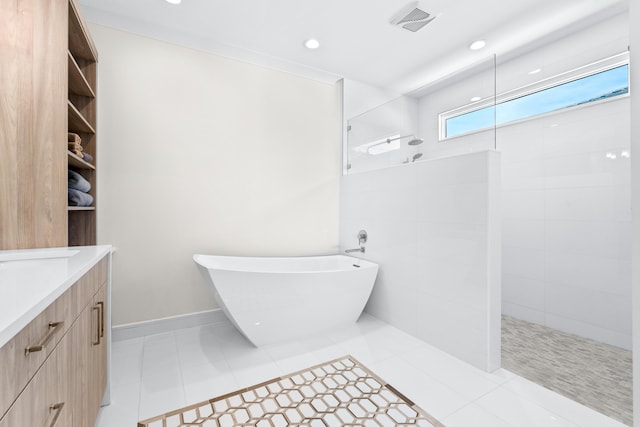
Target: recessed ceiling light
173	1
475	98
478	44
312	44
536	71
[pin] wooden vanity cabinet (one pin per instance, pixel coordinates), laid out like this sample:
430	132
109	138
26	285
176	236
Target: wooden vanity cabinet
69	380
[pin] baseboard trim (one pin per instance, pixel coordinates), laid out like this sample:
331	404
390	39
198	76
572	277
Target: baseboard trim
167	324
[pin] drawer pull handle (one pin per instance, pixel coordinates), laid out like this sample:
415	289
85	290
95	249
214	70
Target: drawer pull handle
97	310
58	408
53	326
101	304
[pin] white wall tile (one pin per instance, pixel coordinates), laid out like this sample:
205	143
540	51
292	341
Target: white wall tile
592	272
524	292
588	203
591	169
523	262
524	313
596	308
526	204
572	326
523	175
603	239
566	220
428	226
523	233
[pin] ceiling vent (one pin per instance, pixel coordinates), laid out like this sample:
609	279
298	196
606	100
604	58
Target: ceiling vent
412	18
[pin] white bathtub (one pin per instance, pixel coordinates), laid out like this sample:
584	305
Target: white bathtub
273	300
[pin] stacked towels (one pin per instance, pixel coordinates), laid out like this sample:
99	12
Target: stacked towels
74	144
78	190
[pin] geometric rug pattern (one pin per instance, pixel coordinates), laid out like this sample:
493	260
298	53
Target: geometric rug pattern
341	392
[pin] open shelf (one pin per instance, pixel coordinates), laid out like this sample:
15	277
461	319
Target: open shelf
82	58
77	122
81	208
80	43
77	82
76	162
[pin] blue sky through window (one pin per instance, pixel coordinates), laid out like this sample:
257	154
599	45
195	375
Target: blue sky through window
602	85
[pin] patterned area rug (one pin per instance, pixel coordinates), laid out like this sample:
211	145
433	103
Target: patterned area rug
341	392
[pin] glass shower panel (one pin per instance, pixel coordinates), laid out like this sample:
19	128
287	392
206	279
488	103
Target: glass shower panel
563	134
380	137
413	127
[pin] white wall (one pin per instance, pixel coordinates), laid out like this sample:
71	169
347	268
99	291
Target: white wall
567	206
567	221
434	230
199	153
635	193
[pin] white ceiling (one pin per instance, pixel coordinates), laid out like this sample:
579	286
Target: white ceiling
357	40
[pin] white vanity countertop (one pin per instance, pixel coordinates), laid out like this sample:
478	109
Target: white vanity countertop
31	279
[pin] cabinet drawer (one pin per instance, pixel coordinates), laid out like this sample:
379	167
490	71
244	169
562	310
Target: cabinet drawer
42	403
16	365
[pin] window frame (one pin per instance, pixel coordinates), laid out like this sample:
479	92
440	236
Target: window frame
578	73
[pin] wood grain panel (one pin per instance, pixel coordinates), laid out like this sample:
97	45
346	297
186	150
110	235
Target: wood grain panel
15	47
25	181
15	368
33	77
80	43
50	87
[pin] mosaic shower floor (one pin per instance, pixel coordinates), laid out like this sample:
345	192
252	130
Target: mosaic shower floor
597	375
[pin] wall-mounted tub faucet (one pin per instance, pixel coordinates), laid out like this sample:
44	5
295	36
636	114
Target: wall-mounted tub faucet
362	239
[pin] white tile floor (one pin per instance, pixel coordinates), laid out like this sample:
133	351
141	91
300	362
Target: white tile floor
159	373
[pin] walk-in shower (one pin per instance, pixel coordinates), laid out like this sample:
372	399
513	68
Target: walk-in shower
565	195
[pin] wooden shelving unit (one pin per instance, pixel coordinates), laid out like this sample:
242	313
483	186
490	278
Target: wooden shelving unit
77	122
78	163
78	84
43	42
81	208
81	108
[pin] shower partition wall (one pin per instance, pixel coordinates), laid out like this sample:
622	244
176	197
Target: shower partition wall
434	223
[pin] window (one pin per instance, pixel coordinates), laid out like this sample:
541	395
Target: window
595	82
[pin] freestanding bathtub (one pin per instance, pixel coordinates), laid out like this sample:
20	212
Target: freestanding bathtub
273	300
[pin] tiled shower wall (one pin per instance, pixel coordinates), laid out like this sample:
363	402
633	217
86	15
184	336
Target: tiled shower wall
567	221
434	229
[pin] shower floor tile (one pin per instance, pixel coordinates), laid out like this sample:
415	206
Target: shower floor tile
594	374
447	388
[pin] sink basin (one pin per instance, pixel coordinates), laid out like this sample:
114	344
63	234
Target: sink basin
36	254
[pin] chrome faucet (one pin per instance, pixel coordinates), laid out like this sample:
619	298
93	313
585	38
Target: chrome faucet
360	249
362	239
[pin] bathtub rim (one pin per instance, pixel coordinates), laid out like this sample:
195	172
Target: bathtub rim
362	263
